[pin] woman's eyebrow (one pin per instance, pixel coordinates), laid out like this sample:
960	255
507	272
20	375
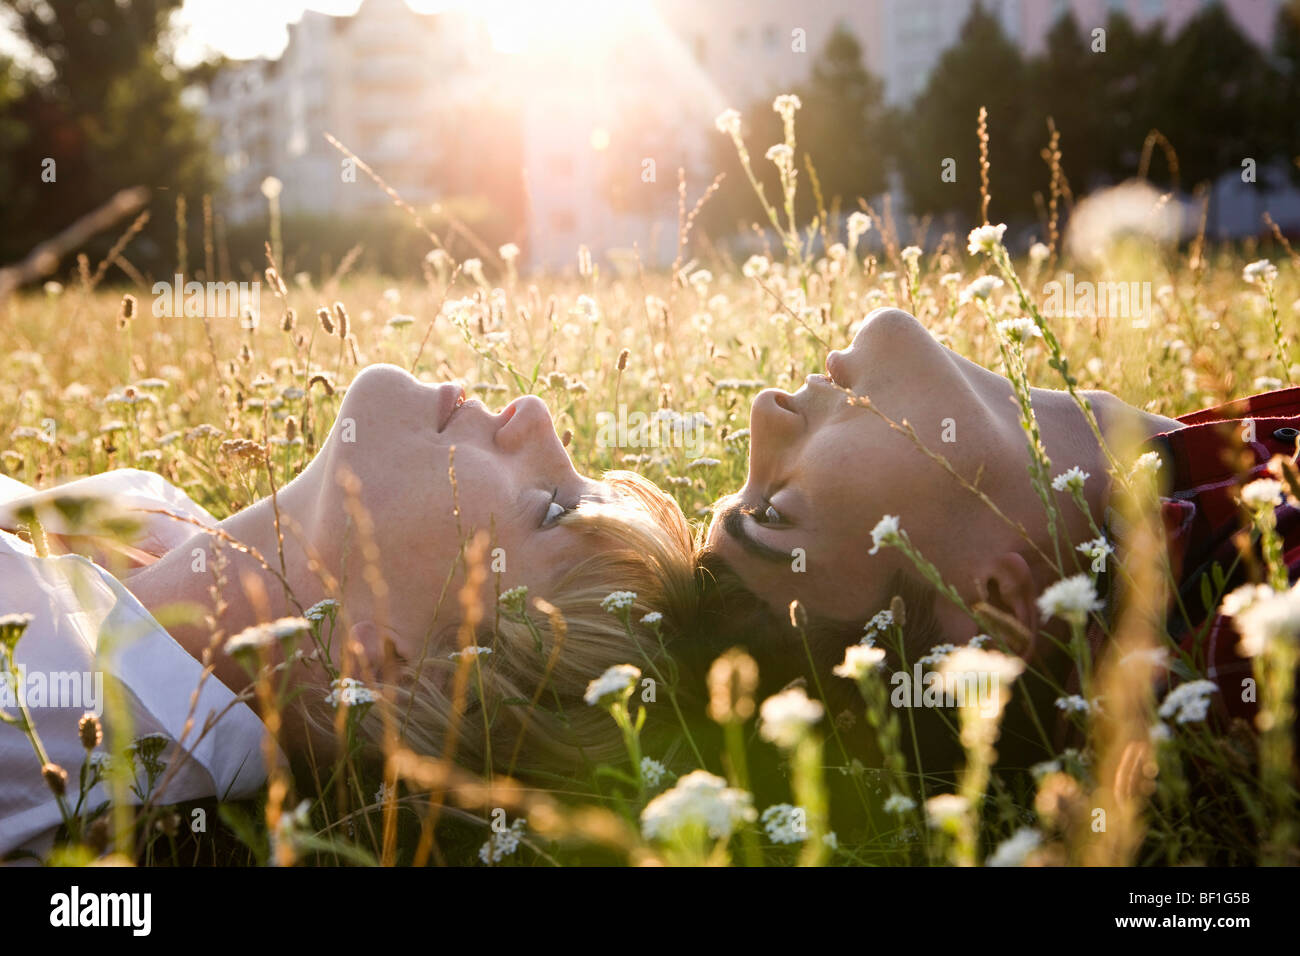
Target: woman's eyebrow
733	524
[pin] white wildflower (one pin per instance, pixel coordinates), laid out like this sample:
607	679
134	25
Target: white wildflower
944	809
617	601
786	717
782	156
349	692
859	224
1261	493
1019	330
1188	702
938	654
985	238
1071	479
503	842
615	684
698	799
1074	704
897	803
981	288
1071	599
786	104
728	122
1264	617
859	660
1014	850
652	771
886	532
264	635
1261	270
785	823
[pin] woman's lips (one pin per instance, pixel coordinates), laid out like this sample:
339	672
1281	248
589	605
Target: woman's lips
450	399
451	402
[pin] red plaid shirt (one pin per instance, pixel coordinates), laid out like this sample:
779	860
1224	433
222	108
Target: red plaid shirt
1204	465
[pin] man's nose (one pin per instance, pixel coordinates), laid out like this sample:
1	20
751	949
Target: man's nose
773	419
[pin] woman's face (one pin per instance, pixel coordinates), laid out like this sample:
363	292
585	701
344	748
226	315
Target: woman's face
431	470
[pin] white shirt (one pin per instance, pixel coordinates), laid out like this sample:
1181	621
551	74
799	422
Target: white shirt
85	621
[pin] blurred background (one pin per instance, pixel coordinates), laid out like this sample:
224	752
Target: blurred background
550	124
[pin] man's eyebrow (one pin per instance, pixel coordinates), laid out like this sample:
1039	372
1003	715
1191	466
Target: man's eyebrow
733	524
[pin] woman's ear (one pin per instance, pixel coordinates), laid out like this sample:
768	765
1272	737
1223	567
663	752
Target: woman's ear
1007	585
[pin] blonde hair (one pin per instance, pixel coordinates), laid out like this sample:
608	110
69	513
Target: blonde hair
649	552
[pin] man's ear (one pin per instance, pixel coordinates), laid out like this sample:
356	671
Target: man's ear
1006	584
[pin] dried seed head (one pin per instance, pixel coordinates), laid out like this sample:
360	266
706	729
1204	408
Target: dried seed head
326	322
291	428
275	282
341	314
622	359
56	778
290	320
97	835
899	610
798	616
126	312
733	679
353	350
567	437
243	450
245	353
329	387
90	732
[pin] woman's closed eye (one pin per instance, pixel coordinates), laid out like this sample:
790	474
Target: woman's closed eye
554	510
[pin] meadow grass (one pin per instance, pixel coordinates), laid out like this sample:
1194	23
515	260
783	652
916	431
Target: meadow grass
175	394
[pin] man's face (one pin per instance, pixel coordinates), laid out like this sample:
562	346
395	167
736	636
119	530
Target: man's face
823	471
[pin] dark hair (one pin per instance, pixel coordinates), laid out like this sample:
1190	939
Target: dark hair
732	615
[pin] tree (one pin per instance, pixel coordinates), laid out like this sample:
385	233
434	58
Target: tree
839	128
110	115
1284	109
982	69
840	123
1214	89
1065	83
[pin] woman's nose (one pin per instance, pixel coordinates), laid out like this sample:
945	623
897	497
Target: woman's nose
529	425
